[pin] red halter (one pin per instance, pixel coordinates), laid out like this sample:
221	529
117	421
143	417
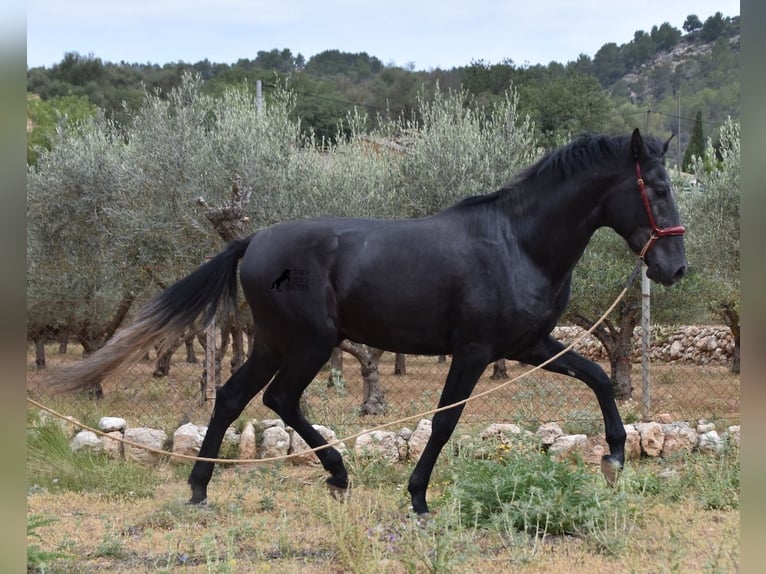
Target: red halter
657	231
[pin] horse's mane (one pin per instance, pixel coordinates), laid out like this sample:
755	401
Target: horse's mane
581	154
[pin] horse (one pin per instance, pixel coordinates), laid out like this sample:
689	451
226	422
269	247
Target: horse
485	279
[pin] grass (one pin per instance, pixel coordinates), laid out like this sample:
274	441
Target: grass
52	465
503	508
509	508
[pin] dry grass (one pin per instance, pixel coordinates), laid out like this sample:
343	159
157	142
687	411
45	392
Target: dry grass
280	519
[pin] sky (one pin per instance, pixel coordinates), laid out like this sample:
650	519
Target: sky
422	35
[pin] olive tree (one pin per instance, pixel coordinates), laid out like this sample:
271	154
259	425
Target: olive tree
79	279
456	148
713	238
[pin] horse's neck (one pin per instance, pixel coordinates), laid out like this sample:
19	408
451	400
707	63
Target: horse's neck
554	225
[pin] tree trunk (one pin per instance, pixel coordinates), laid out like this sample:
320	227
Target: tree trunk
400	364
220	353
731	319
39	352
373	401
162	366
237	345
618	344
191	357
336	367
499	370
63	343
230	222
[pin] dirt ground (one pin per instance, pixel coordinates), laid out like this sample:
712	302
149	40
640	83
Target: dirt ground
284	521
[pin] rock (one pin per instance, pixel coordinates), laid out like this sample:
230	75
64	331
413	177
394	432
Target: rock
652	438
187	440
268	423
664	419
667	473
86	440
567	445
710	443
679	436
109	424
113	448
732	434
597	447
704	427
247	446
549	432
297	445
379	443
419	439
632	443
153	438
275	442
501	431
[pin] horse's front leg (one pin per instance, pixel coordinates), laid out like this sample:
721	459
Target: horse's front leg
575	365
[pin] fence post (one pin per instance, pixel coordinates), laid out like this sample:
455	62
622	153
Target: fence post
646	296
208	385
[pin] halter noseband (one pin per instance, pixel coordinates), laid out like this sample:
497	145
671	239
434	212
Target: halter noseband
656	231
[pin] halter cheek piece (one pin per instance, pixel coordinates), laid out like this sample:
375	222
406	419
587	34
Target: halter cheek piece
657	231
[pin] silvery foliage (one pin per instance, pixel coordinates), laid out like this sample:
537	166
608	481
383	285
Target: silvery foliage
114	209
712	210
456	149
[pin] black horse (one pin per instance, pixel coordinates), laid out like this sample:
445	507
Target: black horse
484	279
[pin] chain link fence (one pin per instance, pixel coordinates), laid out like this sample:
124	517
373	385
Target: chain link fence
690	379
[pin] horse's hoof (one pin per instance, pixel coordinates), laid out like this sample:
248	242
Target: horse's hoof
611	470
193	502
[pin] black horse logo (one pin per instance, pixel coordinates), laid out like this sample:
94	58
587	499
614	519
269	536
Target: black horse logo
281	279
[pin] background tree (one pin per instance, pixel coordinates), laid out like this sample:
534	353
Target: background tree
45	116
692	23
713	213
79	279
696	146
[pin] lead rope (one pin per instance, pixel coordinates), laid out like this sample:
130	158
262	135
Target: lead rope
179	456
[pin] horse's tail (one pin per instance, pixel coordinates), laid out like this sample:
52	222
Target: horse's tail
161	322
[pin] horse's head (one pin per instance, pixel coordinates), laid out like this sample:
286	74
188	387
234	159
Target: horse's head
643	210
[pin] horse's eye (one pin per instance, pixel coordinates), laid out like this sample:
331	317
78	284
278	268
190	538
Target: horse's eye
661	191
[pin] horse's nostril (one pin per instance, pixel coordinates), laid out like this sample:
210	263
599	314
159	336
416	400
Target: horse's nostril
680	273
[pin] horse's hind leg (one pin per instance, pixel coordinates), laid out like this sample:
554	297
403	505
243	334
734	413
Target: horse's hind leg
467	366
230	400
283	396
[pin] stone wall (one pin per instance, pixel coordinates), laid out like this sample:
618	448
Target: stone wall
694	344
662	437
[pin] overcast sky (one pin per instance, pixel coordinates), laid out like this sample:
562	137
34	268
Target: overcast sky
425	34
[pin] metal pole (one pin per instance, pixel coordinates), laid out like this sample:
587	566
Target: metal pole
646	399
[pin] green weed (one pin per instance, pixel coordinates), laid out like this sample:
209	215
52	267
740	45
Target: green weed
528	492
51	464
37	558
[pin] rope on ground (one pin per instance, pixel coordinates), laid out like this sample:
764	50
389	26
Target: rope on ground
180	456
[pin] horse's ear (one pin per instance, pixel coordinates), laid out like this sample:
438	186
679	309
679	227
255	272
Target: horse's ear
637	145
666	144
